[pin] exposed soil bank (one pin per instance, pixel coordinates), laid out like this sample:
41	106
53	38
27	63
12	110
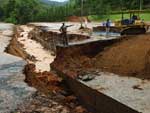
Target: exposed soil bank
46	82
129	57
78	59
49	38
53	86
52	97
15	48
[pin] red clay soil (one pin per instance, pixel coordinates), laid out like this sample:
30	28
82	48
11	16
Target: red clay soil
45	82
78	19
129	57
48	83
71	61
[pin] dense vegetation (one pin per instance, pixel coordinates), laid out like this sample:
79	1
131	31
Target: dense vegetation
23	11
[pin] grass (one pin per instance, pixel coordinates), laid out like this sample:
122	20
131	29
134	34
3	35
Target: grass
115	17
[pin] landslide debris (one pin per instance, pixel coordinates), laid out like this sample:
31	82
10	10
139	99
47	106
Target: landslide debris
46	82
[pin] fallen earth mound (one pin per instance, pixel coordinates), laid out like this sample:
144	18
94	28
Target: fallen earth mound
129	57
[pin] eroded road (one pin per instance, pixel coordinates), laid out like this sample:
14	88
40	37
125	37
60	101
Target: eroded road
13	89
15	94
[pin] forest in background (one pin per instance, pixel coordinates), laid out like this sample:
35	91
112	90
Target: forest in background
23	11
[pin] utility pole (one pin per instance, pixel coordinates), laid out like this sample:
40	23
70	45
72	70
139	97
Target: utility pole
141	5
81	13
81	8
121	4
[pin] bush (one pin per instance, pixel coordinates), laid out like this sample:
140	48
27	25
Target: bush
11	20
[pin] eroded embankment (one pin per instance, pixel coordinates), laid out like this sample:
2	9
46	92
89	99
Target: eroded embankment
13	90
36	76
52	97
77	59
49	38
15	48
129	57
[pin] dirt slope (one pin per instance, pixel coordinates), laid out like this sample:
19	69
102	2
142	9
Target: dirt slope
129	57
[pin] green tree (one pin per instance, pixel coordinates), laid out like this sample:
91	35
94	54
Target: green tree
1	13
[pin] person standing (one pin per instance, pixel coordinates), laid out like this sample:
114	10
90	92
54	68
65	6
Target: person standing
107	26
63	30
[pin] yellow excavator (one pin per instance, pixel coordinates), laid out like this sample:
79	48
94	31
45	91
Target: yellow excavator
132	26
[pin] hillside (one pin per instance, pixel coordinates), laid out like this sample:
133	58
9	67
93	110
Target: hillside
2	2
53	2
47	2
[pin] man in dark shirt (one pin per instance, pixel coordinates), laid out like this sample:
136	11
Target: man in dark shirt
63	30
107	26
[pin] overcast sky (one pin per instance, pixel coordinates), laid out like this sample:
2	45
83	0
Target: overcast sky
59	0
